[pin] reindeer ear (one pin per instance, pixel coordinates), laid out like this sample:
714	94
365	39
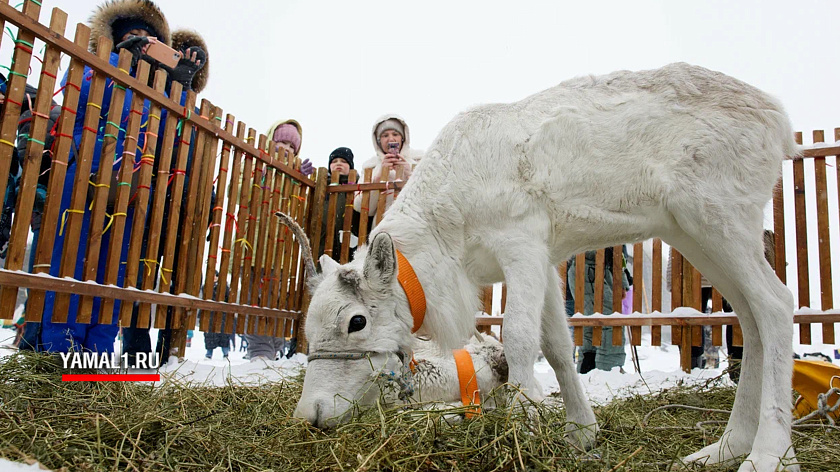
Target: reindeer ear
328	265
380	267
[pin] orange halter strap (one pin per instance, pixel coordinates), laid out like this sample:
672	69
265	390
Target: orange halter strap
413	291
468	382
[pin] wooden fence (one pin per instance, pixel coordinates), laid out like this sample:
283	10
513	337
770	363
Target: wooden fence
222	188
211	217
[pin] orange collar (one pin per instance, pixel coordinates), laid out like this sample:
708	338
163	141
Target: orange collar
468	382
413	291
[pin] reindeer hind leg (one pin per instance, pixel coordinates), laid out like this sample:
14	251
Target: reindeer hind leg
731	256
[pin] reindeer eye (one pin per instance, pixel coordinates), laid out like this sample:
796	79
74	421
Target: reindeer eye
357	323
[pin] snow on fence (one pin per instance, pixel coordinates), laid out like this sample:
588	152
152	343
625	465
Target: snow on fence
259	272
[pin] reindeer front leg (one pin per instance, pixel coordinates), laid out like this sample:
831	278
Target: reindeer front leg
522	262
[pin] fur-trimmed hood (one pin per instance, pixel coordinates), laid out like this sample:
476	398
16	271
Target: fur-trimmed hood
391	116
103	18
185	38
276	125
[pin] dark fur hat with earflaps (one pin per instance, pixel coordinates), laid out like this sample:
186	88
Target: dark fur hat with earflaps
114	15
183	39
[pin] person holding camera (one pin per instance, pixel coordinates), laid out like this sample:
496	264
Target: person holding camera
131	25
392	151
192	72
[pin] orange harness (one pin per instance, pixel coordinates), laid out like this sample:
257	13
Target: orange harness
468	382
463	361
413	291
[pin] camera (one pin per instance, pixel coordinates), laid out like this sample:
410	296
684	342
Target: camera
162	53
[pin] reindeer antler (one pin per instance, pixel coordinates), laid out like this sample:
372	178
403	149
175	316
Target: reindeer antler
302	239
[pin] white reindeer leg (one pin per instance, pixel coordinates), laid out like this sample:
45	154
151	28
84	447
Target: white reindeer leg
557	346
761	414
518	258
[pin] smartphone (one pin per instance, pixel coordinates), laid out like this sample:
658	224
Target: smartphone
162	53
393	148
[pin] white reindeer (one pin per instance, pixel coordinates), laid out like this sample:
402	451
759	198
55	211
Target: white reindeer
507	191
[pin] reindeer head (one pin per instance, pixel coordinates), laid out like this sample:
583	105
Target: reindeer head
358	326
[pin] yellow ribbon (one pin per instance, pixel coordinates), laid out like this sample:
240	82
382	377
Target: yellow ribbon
162	278
245	242
64	218
149	264
111	220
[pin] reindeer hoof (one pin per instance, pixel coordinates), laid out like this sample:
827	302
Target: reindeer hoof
769	463
582	436
716	453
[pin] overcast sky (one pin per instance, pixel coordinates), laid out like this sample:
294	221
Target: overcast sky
336	66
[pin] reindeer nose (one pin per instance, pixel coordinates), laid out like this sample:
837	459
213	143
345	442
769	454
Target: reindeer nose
309	412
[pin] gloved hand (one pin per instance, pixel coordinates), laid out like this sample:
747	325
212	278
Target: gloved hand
133	44
189	65
306	167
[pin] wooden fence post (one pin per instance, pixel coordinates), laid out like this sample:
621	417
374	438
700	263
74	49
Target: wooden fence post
824	239
315	214
689	286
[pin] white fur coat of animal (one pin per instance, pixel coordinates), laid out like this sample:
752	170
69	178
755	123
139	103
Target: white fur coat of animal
507	191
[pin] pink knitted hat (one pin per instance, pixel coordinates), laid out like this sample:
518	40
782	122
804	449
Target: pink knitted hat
289	133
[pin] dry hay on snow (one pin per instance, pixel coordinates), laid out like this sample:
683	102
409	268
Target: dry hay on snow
82	426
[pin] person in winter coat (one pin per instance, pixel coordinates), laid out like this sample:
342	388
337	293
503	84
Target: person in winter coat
340	162
288	134
12	187
283	134
30	332
606	356
138	339
128	23
391	143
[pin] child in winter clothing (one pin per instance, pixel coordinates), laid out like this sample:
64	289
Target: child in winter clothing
340	162
128	23
285	134
288	134
391	143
